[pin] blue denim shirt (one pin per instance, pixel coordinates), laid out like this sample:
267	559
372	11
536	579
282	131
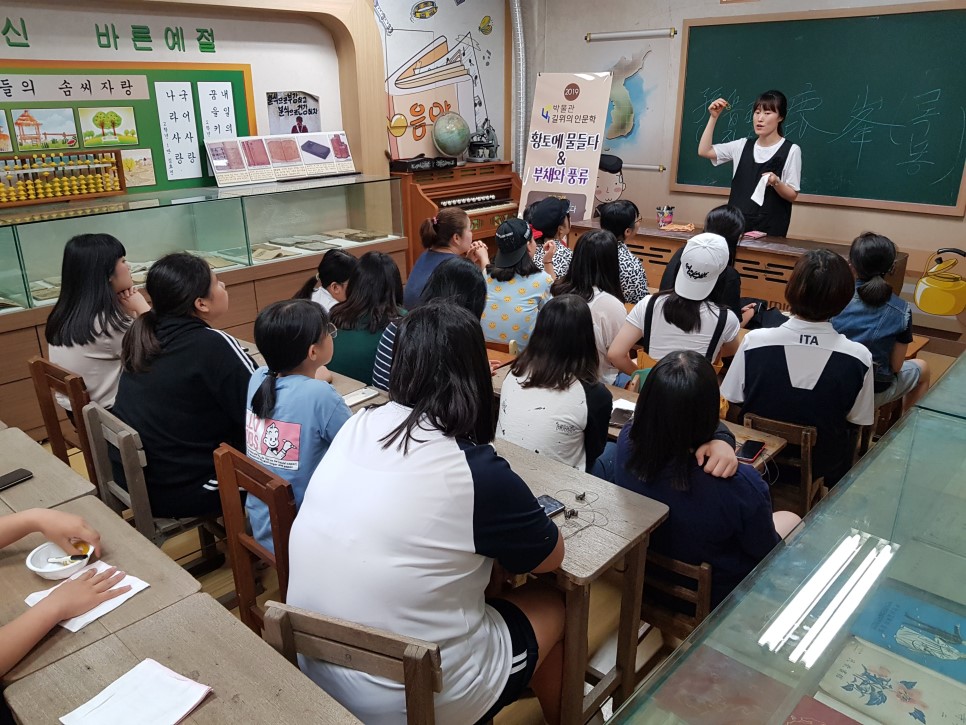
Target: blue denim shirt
878	328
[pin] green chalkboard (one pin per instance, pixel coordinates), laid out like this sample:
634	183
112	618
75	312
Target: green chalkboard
876	102
145	110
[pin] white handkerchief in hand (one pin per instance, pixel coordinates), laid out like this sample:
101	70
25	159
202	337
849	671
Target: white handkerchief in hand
75	624
148	694
759	195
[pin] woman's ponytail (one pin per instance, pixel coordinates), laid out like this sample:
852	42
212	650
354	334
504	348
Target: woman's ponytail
873	256
875	291
306	290
140	345
427	233
440	229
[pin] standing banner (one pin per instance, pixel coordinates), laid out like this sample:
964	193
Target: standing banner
566	134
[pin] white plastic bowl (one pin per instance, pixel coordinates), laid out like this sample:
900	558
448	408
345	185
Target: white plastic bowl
38	564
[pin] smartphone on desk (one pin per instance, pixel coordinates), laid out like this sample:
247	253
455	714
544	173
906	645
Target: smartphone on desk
359	396
551	506
14	477
749	451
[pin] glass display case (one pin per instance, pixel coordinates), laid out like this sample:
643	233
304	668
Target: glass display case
857	618
230	228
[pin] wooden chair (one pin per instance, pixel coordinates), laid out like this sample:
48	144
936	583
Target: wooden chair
105	429
237	472
810	490
413	662
511	347
50	379
661	576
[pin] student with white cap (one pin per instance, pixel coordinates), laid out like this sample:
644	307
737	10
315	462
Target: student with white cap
683	318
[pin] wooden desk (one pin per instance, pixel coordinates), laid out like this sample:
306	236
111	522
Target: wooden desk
612	524
54	482
199	639
122	546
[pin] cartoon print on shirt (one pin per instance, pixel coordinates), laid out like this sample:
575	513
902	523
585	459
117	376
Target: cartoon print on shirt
273	443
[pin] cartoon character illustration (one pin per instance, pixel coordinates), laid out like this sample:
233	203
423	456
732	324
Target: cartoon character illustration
940	291
610	180
271	441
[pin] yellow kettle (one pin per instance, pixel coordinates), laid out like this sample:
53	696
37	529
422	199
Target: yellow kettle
940	291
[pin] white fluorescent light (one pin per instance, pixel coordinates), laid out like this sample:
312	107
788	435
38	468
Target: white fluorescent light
631	34
850	604
815	586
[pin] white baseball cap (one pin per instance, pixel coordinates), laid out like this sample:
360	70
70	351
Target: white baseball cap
704	258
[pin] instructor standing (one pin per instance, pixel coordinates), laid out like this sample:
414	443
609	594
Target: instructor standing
767	173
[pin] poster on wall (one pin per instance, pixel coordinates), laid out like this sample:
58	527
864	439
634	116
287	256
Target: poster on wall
179	133
109	126
43	128
292	112
138	167
565	139
5	143
217	105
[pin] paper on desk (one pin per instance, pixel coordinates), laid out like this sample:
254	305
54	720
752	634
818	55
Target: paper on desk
75	624
621	404
759	194
148	694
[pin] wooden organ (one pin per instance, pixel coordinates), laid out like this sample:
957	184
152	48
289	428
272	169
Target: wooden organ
488	191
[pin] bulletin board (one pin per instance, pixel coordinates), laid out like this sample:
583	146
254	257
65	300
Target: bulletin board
145	109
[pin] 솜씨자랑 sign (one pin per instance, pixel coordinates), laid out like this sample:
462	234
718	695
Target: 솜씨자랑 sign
566	138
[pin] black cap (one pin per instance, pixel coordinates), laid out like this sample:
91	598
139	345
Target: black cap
512	238
610	163
548	214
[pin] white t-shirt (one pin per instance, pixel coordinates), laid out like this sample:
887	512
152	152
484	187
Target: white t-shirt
321	296
608	314
731	151
666	337
406	543
99	363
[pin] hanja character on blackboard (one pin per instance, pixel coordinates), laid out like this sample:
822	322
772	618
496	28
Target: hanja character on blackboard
766	177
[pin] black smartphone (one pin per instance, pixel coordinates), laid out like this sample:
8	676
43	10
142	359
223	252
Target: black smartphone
551	506
14	477
750	450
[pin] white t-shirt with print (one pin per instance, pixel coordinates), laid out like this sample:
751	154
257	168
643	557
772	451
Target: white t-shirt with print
731	151
608	314
666	338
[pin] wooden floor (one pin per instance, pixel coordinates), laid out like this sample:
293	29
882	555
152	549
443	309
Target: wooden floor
604	606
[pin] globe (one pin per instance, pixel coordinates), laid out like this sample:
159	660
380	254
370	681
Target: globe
451	134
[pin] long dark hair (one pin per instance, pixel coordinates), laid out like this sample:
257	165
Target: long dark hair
458	280
439	369
677	411
336	265
562	347
594	264
438	231
374	296
618	216
284	332
726	221
872	257
773	101
685	314
524	268
88	305
820	286
174	283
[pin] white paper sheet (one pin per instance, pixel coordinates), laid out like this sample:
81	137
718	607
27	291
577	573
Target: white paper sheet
621	404
759	194
75	624
148	694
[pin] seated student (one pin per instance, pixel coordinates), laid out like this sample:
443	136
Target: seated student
183	385
292	417
411	507
456	279
621	218
446	234
516	288
728	522
550	222
70	599
552	401
327	287
728	222
804	372
96	306
882	321
593	277
373	301
683	318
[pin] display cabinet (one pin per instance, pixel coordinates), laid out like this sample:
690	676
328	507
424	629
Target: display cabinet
856	618
263	241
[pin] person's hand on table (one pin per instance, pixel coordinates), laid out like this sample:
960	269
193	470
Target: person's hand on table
78	596
747	312
324	374
63	529
718	459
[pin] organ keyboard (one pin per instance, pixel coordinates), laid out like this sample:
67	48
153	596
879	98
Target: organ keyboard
489	192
